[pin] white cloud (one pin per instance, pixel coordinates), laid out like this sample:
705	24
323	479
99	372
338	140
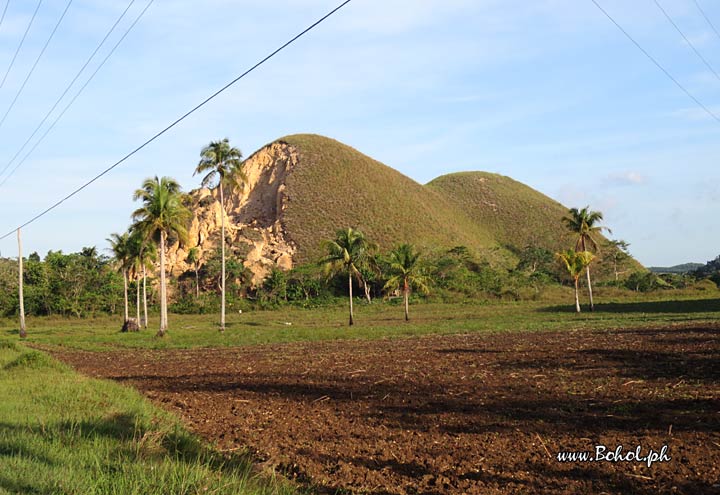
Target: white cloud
626	178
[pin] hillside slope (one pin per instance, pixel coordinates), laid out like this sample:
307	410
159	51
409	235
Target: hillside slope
514	213
335	186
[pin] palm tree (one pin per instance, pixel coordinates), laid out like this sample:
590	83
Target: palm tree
348	253
135	268
119	246
162	213
406	273
223	163
144	257
574	262
193	258
583	223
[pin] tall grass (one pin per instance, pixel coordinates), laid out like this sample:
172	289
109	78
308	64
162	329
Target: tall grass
61	433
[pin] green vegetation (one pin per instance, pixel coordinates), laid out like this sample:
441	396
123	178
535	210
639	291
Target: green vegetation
76	284
62	433
711	271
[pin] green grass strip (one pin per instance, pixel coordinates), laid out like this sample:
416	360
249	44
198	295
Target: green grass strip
63	433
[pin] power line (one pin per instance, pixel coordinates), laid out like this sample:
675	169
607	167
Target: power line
667	16
7	4
652	59
12	62
70	103
57	102
37	60
178	120
707	18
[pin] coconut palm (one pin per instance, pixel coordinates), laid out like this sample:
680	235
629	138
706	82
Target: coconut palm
574	262
223	163
119	246
135	269
347	253
583	223
162	213
406	273
143	255
144	258
193	258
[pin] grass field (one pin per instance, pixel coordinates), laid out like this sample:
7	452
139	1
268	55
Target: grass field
615	309
62	433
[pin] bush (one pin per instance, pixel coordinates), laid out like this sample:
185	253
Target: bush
645	282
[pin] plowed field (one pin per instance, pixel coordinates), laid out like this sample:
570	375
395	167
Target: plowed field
480	414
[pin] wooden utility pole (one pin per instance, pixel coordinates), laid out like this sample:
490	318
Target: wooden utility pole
23	333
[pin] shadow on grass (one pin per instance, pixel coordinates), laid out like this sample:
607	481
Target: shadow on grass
687	306
137	440
151	439
13	486
16	448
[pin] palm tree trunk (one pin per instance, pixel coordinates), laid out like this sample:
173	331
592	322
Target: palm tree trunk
197	284
137	301
577	298
367	292
125	295
23	331
145	298
350	291
222	231
406	292
587	271
163	293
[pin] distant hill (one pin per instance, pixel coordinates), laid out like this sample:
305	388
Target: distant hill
684	268
302	188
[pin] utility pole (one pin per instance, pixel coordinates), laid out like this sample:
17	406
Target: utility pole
23	333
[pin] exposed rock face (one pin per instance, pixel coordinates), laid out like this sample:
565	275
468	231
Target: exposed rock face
253	221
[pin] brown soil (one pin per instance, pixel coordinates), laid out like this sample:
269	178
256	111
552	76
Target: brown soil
483	414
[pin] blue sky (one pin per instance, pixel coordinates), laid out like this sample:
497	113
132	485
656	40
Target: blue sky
547	92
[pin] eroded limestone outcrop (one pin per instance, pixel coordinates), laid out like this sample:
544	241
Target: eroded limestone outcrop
253	223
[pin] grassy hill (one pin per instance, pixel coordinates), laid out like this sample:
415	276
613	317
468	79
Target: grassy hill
514	213
335	186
